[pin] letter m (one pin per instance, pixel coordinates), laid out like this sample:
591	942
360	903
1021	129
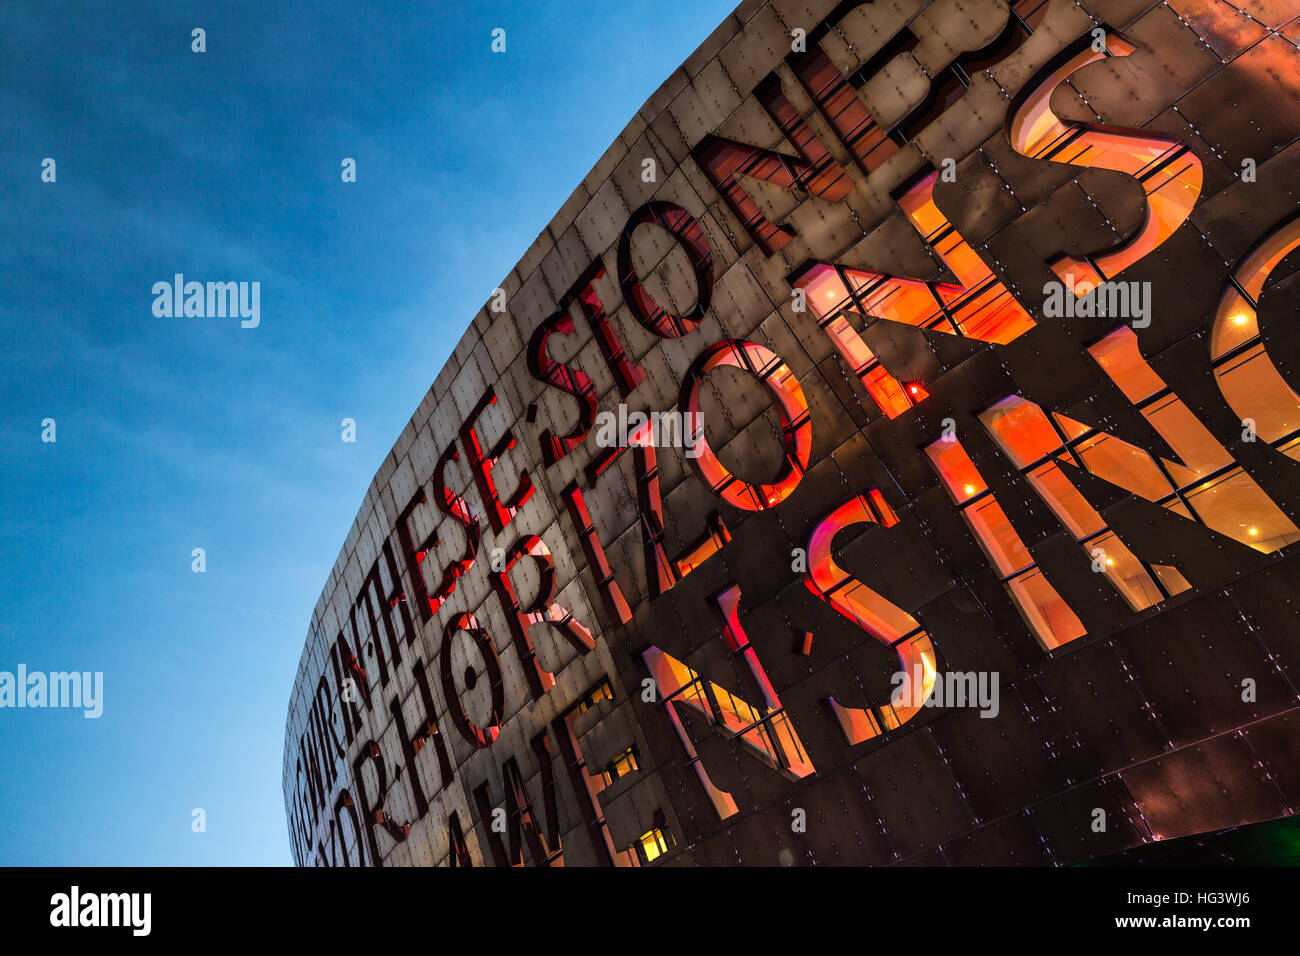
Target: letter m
222	299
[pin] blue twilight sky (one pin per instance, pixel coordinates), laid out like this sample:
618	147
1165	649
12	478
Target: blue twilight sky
177	433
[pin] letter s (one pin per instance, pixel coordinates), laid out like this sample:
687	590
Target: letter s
888	623
1169	173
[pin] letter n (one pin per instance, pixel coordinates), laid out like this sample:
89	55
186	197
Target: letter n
765	730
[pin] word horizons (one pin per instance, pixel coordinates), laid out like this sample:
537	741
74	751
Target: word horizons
69	689
671	429
73	909
951	689
215	300
1117	300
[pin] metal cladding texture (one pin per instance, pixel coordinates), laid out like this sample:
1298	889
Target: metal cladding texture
540	645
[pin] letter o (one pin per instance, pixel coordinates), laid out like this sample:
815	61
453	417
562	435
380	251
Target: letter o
479	736
796	424
682	227
1261	395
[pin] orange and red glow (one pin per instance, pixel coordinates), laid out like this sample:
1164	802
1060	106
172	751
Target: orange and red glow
1250	382
1169	173
796	425
885	621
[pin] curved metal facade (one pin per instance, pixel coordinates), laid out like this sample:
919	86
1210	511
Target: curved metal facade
998	293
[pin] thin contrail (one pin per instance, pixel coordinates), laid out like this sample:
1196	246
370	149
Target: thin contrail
250	610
